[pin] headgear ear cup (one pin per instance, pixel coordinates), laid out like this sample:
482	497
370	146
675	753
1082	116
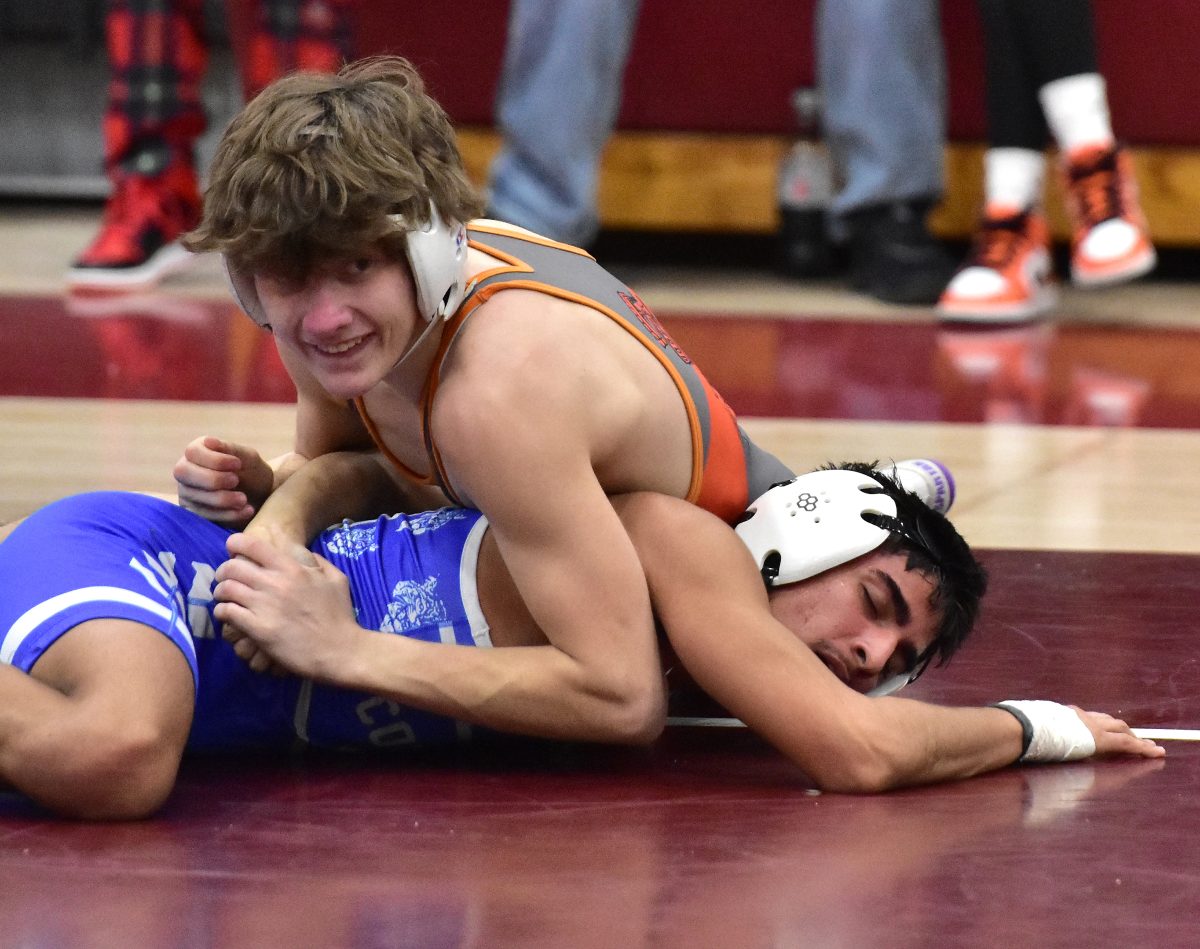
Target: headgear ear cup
241	285
437	256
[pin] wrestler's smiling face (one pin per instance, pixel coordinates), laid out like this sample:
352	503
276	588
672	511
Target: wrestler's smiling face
345	324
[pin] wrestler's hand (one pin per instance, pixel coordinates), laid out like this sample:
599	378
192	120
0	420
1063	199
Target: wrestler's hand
222	481
1114	737
283	604
1068	733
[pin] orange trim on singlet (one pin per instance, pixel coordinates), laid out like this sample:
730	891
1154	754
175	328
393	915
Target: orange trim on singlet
373	431
437	474
482	296
527	236
724	443
726	487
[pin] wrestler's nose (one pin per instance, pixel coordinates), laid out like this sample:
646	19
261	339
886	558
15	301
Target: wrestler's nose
325	311
873	648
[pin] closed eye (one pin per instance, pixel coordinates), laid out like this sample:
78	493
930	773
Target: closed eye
869	605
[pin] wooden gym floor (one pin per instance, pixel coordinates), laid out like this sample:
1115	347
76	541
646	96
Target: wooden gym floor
1075	444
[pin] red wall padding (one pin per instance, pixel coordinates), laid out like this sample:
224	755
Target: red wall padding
714	66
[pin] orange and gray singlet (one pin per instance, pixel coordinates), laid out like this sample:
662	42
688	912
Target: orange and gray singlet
728	470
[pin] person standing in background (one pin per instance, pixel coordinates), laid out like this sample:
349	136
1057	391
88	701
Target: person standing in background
881	69
556	106
158	52
882	78
1042	75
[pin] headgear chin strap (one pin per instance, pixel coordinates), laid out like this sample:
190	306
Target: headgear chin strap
437	257
803	527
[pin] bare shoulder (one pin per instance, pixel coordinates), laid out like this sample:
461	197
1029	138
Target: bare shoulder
517	326
512	373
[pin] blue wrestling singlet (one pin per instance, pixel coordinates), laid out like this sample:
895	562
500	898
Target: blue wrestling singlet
129	556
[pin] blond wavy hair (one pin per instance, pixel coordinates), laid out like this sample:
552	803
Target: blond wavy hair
311	169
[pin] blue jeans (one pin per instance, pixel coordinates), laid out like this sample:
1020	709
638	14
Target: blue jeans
881	69
559	94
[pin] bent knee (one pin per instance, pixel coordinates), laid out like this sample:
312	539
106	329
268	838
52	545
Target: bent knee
118	776
136	773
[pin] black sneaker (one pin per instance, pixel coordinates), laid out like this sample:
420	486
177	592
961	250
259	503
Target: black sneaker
894	258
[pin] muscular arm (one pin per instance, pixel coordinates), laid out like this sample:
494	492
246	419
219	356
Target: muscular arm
714	609
528	466
297	608
569	556
345	484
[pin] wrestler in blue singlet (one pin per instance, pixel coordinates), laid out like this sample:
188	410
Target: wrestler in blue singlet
129	556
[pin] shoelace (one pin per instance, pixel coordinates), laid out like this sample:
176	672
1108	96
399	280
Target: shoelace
1097	191
998	242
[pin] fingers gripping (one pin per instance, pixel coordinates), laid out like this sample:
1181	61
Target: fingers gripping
271	550
265	594
208	482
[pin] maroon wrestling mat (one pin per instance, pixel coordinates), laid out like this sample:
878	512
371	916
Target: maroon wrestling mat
709	839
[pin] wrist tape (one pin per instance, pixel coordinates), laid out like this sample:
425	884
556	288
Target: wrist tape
1052	732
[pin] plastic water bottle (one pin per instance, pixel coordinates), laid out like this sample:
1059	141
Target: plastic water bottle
929	480
805	189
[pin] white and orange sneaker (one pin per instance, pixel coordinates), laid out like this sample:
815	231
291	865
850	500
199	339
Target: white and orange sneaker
1110	242
1008	274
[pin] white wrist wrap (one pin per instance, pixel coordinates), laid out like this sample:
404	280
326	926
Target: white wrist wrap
1058	733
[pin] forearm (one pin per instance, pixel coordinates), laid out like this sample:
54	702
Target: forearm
923	744
285	466
844	741
848	742
529	690
601	682
311	495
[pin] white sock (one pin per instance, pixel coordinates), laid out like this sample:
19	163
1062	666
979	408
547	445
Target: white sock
1076	109
1013	177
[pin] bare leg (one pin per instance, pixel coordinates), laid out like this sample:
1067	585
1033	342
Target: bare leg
98	728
